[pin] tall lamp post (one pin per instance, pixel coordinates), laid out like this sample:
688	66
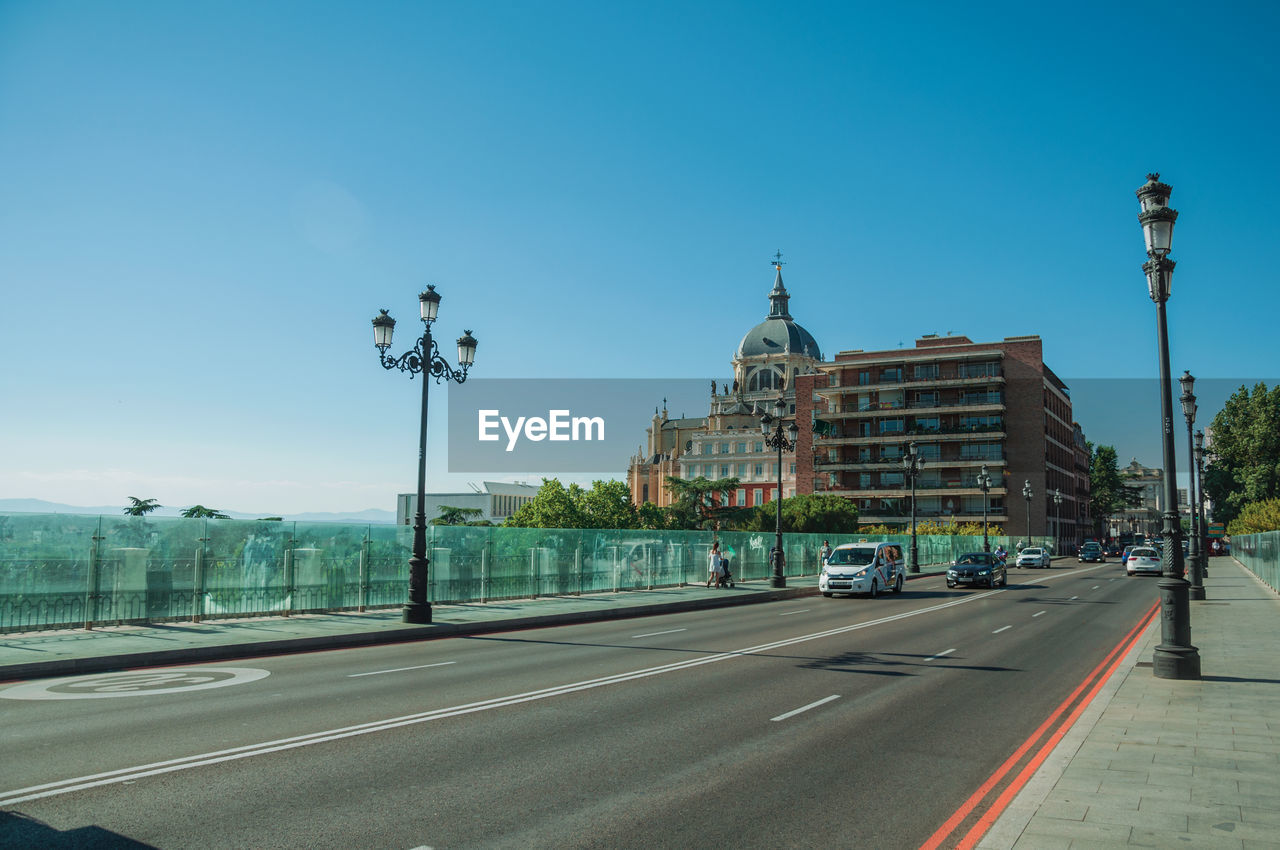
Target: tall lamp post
1188	399
1174	657
912	463
984	482
1027	493
423	358
780	437
1057	518
1204	529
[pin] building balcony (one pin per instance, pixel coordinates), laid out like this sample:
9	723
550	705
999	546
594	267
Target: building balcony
944	379
894	464
940	435
903	491
874	518
880	408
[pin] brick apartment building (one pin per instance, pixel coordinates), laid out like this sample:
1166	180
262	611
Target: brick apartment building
965	405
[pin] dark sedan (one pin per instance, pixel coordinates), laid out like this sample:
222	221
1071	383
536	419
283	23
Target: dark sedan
977	568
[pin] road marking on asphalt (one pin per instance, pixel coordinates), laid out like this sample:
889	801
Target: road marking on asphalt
1002	629
400	669
804	708
1074	597
655	634
789	613
1037	614
1095	587
133	684
113	777
940	654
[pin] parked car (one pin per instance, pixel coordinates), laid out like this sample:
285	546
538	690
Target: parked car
1091	552
863	568
1124	556
1143	559
977	568
1033	556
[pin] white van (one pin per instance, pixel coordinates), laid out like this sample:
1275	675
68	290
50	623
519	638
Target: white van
863	568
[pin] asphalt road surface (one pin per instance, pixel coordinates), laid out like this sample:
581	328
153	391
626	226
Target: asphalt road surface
845	722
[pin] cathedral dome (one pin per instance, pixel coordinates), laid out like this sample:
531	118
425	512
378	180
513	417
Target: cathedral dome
779	333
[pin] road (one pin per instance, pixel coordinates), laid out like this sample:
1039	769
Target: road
807	723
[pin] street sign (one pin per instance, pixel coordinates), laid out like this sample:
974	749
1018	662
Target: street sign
1217	529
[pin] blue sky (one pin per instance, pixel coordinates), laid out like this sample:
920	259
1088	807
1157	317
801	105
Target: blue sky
204	203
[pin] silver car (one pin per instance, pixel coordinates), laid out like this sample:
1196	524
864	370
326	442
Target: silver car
1143	559
1032	556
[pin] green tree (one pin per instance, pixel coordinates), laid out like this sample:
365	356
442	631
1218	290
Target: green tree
554	506
1245	464
141	507
200	511
450	515
1108	494
608	505
704	503
1257	517
805	513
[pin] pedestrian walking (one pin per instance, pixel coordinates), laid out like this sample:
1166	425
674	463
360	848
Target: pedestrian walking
824	553
715	565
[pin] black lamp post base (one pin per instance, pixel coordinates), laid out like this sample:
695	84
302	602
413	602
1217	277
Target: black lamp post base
1176	662
1196	593
418	613
777	581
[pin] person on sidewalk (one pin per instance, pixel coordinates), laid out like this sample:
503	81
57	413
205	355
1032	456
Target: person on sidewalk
715	565
824	553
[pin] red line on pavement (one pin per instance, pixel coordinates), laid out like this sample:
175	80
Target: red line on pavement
1113	658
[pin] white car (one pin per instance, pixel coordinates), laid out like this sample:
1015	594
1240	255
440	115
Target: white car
862	568
1143	559
1032	556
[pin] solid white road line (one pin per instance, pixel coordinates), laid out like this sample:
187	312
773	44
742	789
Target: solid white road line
401	669
1002	629
1037	614
789	613
804	708
655	634
1073	598
940	654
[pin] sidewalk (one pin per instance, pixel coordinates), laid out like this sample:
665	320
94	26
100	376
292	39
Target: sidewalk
66	652
1168	763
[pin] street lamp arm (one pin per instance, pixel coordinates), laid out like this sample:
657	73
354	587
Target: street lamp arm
418	360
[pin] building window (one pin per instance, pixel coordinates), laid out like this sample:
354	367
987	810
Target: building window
756	497
926	423
759	447
742	448
724	470
759	471
891	479
926	399
891	426
929	451
773	493
926	371
646	494
979	370
833	379
891	376
864	480
742	470
724	448
793	469
742	498
864	378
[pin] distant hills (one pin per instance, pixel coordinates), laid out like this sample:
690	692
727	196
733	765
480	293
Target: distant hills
39	506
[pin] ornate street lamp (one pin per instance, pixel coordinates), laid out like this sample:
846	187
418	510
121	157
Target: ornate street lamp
1027	493
1174	657
424	358
912	462
780	436
1188	399
1199	508
984	482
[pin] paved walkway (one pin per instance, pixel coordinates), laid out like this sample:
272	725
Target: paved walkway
1150	763
1168	763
